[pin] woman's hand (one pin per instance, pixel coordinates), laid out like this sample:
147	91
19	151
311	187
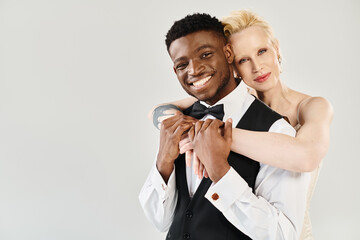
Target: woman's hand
212	146
164	113
186	147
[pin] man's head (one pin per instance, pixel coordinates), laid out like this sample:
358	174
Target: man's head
202	58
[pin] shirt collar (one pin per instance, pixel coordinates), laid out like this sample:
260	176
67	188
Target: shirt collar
233	101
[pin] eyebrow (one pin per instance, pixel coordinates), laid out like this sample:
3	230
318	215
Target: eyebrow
236	58
203	46
196	50
179	59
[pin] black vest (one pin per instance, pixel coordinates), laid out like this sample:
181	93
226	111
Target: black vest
197	218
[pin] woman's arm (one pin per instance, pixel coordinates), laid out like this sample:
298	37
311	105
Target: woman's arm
300	154
165	110
184	103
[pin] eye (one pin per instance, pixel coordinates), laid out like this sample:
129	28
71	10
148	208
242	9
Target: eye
262	51
181	66
206	54
243	60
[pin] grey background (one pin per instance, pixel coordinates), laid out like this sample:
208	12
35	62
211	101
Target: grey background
77	79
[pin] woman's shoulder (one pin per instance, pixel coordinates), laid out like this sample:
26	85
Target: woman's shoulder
315	108
305	103
315	102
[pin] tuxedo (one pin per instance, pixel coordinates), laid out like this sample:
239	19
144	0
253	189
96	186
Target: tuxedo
253	200
191	214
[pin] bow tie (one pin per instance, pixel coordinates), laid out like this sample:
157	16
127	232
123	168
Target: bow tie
199	111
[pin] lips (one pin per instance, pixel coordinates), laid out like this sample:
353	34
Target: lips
200	83
262	78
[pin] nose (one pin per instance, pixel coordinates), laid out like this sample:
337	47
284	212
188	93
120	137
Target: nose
195	68
256	65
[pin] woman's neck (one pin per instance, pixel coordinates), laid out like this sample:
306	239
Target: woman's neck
276	98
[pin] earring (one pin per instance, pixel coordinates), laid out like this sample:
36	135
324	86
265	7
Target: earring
237	76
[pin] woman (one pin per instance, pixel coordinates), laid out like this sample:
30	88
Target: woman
258	63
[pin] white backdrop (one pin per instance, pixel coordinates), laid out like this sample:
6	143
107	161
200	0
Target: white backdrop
78	77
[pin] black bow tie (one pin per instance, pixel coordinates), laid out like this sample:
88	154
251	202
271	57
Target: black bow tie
199	111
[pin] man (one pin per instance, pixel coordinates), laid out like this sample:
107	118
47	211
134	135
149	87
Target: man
241	199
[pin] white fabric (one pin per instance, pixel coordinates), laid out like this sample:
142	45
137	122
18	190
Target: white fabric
275	211
306	233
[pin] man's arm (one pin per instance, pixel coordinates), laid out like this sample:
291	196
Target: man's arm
275	211
158	199
158	195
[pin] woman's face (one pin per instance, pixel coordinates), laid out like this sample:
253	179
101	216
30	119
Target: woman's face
256	58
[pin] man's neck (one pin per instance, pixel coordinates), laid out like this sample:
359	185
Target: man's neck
232	84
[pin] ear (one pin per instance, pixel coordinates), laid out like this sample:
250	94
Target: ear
278	55
277	47
229	53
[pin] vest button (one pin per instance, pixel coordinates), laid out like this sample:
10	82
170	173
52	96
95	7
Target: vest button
189	214
215	196
186	236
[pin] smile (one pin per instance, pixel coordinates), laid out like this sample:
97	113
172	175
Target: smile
201	82
263	77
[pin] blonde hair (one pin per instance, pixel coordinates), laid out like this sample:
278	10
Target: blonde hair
242	19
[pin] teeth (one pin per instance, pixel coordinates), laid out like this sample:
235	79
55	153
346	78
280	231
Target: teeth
201	82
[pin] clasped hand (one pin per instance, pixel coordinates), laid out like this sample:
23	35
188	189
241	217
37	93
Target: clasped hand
208	141
208	144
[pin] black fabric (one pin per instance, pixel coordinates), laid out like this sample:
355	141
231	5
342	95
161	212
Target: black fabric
199	111
197	218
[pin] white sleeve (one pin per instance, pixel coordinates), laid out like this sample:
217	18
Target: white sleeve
282	126
275	211
158	199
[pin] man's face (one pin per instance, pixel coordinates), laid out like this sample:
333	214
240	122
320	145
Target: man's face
202	65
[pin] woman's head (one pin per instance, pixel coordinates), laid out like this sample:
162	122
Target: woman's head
256	50
242	19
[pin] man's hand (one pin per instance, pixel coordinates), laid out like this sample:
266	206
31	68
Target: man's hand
212	141
170	134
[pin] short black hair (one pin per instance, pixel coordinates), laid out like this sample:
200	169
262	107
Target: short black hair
193	23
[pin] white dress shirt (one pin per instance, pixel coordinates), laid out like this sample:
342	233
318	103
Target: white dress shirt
275	211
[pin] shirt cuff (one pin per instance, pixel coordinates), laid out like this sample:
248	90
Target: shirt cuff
227	190
160	186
